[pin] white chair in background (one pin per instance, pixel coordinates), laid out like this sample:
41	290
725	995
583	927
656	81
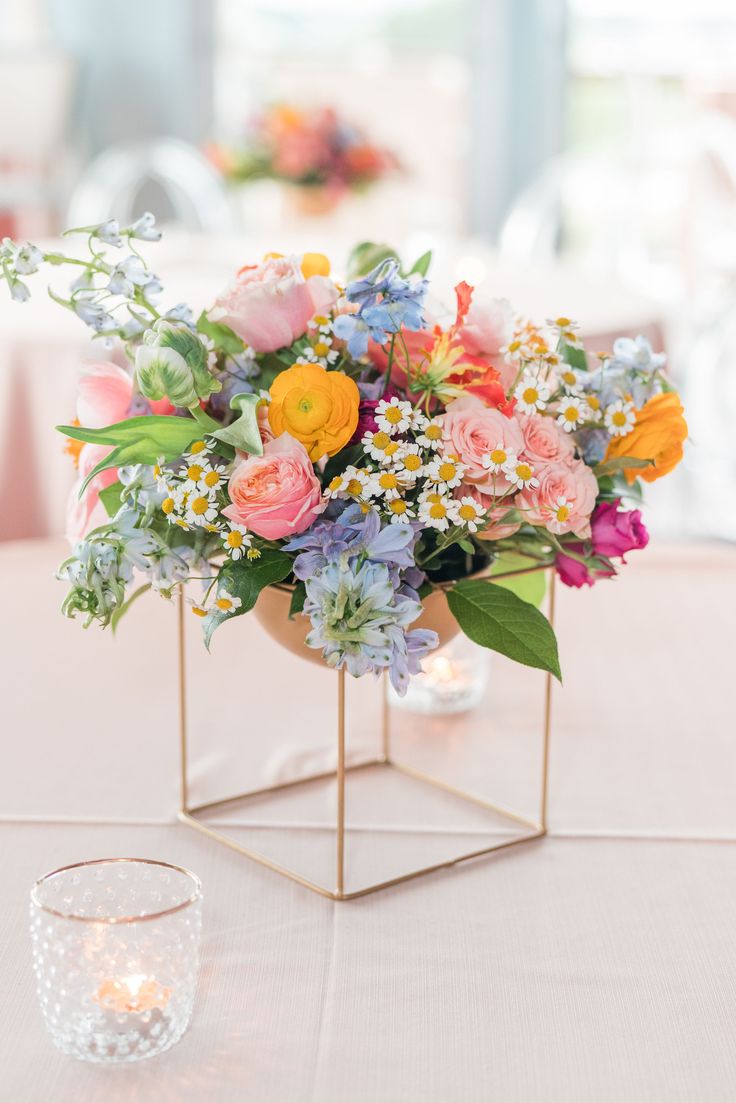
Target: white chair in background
120	182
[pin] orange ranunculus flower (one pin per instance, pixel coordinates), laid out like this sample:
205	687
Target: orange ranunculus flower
658	434
316	406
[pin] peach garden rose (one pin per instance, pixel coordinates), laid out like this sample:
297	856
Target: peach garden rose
472	431
277	494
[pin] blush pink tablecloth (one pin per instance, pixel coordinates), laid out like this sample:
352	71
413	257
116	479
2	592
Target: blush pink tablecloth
596	965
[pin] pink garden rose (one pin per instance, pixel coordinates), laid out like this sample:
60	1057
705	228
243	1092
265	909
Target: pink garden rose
471	431
276	494
571	487
269	304
615	532
545	441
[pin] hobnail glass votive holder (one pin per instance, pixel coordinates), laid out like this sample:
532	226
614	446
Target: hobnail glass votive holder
116	955
453	679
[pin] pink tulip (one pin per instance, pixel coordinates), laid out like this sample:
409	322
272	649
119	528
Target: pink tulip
86	513
105	395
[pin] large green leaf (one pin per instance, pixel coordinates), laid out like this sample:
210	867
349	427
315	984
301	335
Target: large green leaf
422	264
245	579
530	586
573	356
243	433
224	337
495	618
137	440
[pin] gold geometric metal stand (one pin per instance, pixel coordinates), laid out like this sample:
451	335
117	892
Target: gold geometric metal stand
536	829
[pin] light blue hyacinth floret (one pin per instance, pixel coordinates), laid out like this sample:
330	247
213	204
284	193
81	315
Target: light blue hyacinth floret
360	598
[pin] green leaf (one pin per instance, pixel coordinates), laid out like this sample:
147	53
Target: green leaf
137	440
298	598
365	256
620	463
576	358
495	618
224	337
110	498
243	433
466	545
121	610
422	264
245	579
529	587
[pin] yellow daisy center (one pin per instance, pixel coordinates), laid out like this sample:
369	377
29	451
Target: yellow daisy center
199	506
393	415
447	471
498	456
355	486
235	539
467	513
388	481
199	611
380	440
320	320
530	395
523	471
619	419
168	505
571	413
194	472
433	432
563	323
412	462
336	483
569	377
198	446
437	511
398	506
321	348
562	513
224	604
212	479
594	402
391	448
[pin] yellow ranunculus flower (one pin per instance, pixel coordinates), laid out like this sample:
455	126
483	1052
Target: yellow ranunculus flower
658	434
316	406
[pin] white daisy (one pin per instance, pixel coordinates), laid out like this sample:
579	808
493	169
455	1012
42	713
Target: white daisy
380	446
593	402
521	475
201	509
466	511
435	511
570	412
393	415
531	395
620	418
563	323
197	448
352	483
321	322
408	461
386	484
430	435
569	380
445	471
236	541
225	603
400	511
497	459
560	513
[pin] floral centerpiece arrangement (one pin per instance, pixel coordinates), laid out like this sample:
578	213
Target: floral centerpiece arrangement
321	154
350	444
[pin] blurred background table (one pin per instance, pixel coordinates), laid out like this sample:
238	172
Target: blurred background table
595	965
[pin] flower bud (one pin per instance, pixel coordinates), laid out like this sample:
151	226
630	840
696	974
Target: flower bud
172	363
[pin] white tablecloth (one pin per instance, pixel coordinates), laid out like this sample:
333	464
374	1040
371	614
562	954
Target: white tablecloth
596	965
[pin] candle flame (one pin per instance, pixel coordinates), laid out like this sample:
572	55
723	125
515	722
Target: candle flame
132	994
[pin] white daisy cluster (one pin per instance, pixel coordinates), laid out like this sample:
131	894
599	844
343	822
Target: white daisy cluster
223	605
193	499
407	474
319	348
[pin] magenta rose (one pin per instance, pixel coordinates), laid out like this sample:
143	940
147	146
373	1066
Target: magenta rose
276	494
615	532
269	304
574	573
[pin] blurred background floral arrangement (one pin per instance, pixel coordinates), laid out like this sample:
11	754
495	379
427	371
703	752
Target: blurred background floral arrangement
320	155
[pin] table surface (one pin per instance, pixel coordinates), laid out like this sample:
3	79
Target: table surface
598	964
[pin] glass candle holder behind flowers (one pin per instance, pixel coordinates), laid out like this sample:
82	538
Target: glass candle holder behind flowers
116	955
337	438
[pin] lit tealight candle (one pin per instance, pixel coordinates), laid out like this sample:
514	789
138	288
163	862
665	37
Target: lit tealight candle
132	994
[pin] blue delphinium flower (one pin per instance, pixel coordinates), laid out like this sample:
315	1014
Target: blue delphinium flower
386	303
360	580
